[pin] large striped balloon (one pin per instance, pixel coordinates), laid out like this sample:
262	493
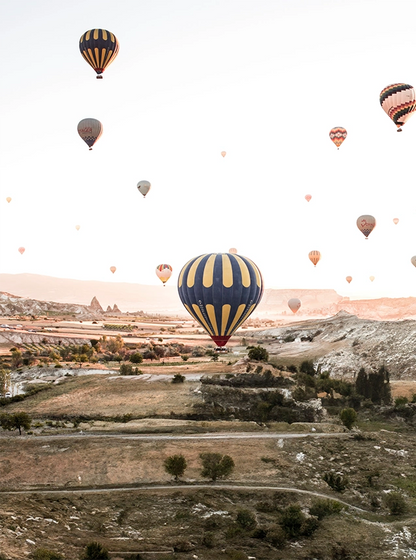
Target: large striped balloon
220	291
399	102
99	47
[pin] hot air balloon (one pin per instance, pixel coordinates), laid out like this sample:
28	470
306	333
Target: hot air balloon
77	228
413	260
315	257
90	130
366	224
164	272
348	279
113	269
372	278
223	154
21	250
99	47
144	187
308	197
9	198
220	291
396	221
294	304
399	102
233	251
337	135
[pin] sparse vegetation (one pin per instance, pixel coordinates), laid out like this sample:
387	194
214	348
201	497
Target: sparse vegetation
215	465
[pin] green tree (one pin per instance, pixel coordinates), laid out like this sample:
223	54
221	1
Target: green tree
95	551
136	358
396	503
115	344
307	367
215	465
16	421
17	359
258	353
348	417
178	378
246	519
175	465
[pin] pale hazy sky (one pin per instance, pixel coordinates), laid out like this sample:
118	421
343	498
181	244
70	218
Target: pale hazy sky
264	80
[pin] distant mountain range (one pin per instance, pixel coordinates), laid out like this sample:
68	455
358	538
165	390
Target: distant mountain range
165	300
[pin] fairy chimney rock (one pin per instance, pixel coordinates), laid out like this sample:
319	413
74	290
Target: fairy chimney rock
95	305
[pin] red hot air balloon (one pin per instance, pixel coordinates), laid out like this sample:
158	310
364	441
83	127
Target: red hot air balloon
348	279
294	304
315	257
164	272
113	269
308	197
338	135
21	250
395	221
366	224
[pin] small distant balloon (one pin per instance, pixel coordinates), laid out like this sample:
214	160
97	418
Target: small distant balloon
9	198
21	250
77	228
223	154
338	135
164	272
113	269
413	260
348	279
232	250
90	131
99	47
294	304
366	224
308	197
143	187
372	278
396	220
399	103
315	257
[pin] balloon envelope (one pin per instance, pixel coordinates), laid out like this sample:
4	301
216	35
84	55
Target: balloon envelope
315	257
8	199
396	220
337	135
413	260
348	279
144	187
220	291
372	278
21	250
164	272
232	250
99	47
366	224
90	130
77	228
113	269
399	103
223	154
294	304
308	197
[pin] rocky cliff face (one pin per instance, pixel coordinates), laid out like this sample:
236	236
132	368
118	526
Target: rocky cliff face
344	343
95	305
13	305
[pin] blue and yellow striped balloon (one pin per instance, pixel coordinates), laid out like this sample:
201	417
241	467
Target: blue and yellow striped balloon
220	291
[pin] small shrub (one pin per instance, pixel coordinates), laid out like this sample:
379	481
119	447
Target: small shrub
276	536
396	503
246	519
175	465
184	357
348	417
323	508
258	353
336	481
178	378
400	401
45	554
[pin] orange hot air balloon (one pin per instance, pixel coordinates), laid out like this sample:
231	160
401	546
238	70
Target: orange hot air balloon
366	224
348	279
113	269
21	250
396	221
372	278
164	272
294	304
233	251
337	135
99	48
308	197
315	257
77	228
223	154
9	199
